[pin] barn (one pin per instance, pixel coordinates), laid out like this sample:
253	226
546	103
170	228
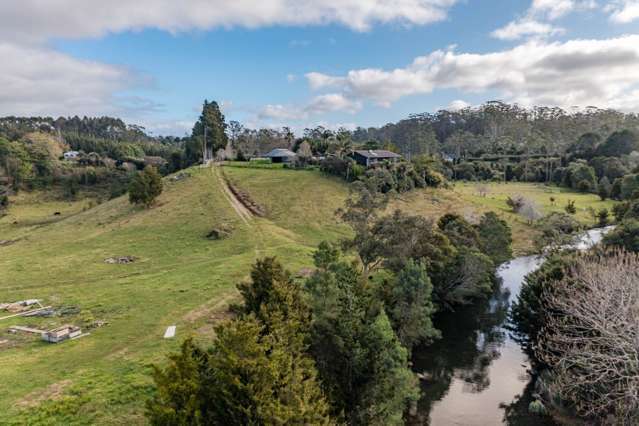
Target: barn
370	157
281	155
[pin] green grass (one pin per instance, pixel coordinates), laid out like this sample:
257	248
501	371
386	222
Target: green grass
465	199
180	277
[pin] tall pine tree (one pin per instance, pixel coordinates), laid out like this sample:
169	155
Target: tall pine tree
210	124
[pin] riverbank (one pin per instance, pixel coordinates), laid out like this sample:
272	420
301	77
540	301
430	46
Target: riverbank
477	374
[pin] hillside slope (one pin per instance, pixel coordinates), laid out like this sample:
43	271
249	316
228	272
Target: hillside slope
179	278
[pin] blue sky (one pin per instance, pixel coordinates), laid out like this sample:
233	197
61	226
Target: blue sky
156	65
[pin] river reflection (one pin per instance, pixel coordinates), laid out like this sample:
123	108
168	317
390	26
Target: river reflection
476	375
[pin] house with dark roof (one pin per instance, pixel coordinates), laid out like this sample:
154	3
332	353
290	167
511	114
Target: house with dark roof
281	155
370	157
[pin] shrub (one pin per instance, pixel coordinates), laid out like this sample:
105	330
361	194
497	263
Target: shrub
145	187
625	235
584	186
570	207
603	217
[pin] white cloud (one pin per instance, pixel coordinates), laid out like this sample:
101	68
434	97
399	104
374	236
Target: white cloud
318	105
554	8
169	127
604	73
332	102
525	27
291	77
281	112
624	11
457	105
535	23
38	20
39	81
35	79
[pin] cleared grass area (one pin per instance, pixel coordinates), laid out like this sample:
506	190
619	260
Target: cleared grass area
465	199
180	277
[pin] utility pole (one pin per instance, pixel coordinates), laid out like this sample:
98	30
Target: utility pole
204	147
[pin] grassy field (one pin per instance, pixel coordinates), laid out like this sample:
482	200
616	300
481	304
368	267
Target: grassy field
465	199
180	277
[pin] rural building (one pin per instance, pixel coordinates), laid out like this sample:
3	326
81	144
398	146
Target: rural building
71	155
61	333
373	156
281	155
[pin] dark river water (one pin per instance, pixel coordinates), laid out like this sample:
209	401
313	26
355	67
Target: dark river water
476	375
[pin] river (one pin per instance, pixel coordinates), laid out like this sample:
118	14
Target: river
476	375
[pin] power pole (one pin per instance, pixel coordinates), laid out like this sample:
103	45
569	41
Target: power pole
204	147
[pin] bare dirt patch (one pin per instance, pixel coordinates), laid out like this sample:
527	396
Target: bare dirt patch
52	392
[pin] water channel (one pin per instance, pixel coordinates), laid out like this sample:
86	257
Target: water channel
476	375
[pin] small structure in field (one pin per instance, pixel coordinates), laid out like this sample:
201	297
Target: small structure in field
71	155
170	332
370	157
281	155
62	333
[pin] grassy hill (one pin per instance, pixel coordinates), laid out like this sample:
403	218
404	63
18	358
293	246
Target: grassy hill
179	278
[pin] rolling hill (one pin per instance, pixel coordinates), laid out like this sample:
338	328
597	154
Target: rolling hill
179	277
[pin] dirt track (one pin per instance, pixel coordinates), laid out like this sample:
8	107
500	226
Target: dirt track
244	213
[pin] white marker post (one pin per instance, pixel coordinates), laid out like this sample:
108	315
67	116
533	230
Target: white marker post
170	332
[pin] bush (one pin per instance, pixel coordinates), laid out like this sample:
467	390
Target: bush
145	187
603	217
570	207
495	238
557	230
625	235
584	186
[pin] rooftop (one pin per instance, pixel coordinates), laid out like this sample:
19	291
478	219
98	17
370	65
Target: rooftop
377	153
280	152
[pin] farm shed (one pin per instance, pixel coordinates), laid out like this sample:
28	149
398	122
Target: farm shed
373	156
281	155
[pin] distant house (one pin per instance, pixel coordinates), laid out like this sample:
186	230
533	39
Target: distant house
71	155
281	155
154	161
373	156
61	333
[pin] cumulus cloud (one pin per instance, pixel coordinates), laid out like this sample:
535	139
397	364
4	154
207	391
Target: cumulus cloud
457	105
525	27
39	20
604	73
39	81
536	20
332	102
281	112
624	11
35	79
318	105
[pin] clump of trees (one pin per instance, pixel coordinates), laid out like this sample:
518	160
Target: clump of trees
557	230
258	370
335	348
590	335
145	187
576	318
